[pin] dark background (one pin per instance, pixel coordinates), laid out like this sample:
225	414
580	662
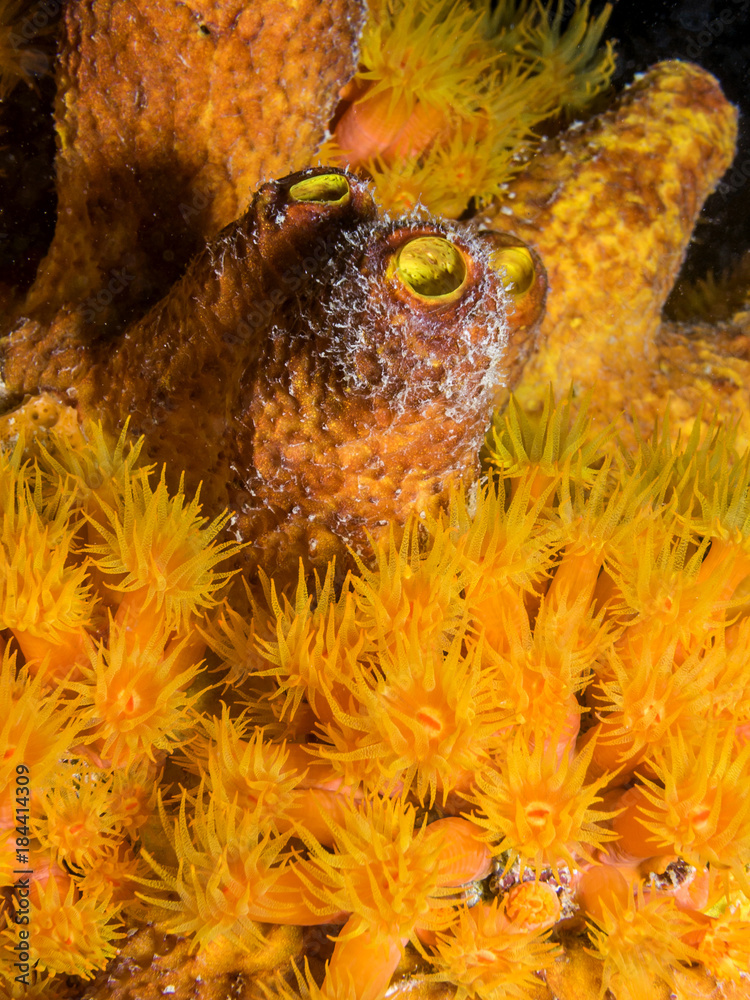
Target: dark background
646	31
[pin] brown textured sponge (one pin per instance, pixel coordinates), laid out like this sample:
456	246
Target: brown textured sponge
169	115
320	370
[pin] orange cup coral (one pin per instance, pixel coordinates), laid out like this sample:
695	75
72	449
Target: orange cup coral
445	762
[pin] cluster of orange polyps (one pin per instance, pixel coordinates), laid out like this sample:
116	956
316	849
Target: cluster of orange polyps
548	683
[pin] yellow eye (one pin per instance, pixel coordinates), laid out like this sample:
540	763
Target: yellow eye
430	267
515	265
323	189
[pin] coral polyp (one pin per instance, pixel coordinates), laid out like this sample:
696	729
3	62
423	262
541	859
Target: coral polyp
501	807
696	808
423	719
75	934
231	874
447	94
540	810
160	551
486	956
641	944
134	692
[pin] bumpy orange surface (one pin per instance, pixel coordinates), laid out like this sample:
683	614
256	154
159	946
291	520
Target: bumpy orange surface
611	208
169	116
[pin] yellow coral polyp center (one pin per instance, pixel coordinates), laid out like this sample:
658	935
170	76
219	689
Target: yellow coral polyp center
537	815
515	266
430	721
129	703
699	819
431	268
324	189
485	957
648	713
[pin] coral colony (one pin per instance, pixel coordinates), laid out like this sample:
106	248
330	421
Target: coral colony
519	733
389	724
